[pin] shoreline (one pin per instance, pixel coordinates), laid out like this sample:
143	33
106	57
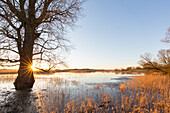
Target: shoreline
12	71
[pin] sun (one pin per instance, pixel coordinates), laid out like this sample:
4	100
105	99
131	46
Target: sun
33	68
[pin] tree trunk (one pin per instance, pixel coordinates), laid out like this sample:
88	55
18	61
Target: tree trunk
25	78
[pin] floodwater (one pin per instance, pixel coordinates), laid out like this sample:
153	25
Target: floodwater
55	92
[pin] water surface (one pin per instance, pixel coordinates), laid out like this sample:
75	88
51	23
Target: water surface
57	90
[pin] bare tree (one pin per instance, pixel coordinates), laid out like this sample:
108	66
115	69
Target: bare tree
167	37
162	63
34	30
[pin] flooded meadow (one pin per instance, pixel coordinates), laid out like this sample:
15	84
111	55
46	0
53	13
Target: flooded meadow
55	92
85	93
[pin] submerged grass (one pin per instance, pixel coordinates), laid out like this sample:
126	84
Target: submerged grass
143	94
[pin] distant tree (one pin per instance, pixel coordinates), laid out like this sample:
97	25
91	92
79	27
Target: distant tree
34	30
162	63
129	68
116	69
167	37
138	67
123	69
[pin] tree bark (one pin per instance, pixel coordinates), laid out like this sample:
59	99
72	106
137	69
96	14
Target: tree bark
25	78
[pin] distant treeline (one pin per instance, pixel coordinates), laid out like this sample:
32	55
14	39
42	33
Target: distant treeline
128	70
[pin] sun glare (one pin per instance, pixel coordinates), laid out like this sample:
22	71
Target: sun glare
33	68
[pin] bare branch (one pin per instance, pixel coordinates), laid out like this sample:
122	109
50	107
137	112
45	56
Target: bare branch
15	11
9	60
9	49
5	32
6	18
47	48
150	64
10	65
45	70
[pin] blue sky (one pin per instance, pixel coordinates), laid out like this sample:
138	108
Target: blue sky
114	33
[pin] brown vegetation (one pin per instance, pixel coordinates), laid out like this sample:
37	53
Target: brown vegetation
148	94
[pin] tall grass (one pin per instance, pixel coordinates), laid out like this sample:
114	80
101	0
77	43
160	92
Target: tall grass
149	93
143	94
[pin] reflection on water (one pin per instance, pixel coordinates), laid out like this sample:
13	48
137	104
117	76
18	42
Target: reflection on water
54	92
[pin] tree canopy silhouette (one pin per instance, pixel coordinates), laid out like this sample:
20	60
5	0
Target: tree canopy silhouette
162	62
34	30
